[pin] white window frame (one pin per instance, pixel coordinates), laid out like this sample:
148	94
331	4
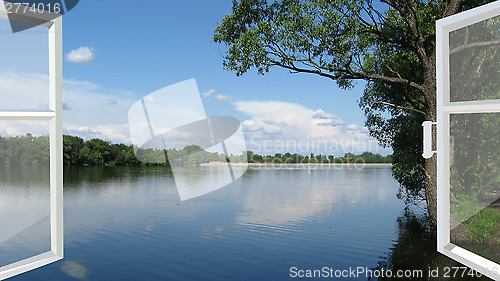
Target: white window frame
444	109
54	116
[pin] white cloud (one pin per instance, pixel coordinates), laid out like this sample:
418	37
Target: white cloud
327	119
223	98
219	97
67	104
208	93
81	55
21	128
80	84
353	127
116	133
26	91
276	126
92	113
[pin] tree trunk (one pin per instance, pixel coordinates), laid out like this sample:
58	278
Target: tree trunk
431	170
451	8
431	163
431	188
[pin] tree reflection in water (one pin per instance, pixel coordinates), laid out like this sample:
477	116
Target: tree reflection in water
415	249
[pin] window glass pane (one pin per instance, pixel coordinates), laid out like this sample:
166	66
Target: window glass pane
24	66
475	62
475	183
24	190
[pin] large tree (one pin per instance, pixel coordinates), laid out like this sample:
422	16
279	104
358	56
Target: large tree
388	43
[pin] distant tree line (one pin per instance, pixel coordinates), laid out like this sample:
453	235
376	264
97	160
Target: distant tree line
24	150
31	150
288	158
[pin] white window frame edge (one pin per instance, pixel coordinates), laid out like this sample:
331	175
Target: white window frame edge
54	115
444	109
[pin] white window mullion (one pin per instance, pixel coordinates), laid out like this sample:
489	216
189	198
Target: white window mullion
27	115
472	107
56	138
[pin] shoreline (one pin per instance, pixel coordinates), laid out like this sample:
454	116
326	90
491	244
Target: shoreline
214	164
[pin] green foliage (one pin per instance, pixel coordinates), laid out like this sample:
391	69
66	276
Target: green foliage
464	206
483	225
409	165
348	158
475	158
24	150
72	146
29	150
262	35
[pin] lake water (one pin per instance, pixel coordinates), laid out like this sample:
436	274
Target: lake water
127	223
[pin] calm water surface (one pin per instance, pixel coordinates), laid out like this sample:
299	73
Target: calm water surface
128	223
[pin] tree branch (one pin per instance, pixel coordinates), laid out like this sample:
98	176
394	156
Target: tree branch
375	76
474	45
397	106
350	74
391	70
452	7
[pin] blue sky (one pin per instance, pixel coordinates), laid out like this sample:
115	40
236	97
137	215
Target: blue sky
117	52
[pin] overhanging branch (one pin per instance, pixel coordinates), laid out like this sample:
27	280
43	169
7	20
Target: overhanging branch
474	45
395	105
349	74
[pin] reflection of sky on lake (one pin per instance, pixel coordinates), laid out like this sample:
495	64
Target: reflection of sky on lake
266	196
76	269
24	213
302	195
129	224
